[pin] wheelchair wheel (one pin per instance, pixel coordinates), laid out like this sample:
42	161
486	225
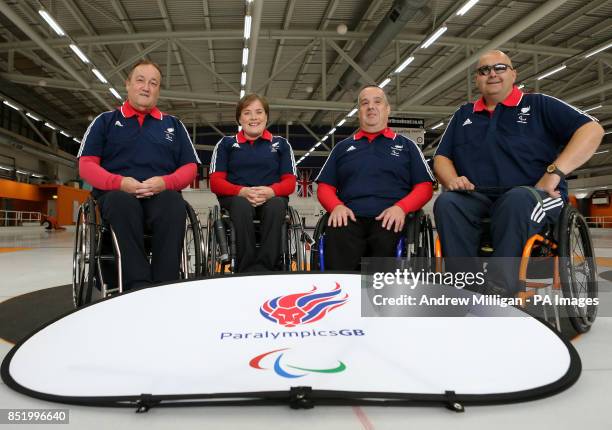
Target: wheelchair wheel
577	268
221	244
211	242
315	252
83	258
192	262
426	243
296	246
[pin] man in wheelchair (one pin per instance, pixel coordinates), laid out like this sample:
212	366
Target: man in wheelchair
138	159
514	149
368	184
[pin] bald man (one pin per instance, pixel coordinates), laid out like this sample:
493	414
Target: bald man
505	140
368	184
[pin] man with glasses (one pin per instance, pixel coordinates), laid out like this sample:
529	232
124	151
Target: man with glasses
515	149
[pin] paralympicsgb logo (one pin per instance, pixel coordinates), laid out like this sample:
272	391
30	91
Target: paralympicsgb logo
302	308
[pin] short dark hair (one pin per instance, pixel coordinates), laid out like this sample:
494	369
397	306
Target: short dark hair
247	100
144	63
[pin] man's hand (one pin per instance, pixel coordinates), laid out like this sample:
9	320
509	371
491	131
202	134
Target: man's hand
264	194
151	186
392	216
549	183
130	185
251	195
459	183
339	216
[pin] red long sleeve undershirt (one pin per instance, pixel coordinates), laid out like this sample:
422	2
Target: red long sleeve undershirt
222	187
102	179
413	201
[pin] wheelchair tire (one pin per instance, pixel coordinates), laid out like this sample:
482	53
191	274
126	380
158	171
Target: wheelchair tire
83	258
211	243
316	236
427	244
193	252
296	242
577	268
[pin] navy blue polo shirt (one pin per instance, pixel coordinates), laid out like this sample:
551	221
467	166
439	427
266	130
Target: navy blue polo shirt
157	148
371	176
513	145
261	162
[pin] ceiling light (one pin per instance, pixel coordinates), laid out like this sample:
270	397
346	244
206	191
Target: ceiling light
243	79
247	27
79	53
317	144
601	152
115	93
332	131
552	72
10	105
353	112
466	7
440	124
99	75
245	56
242	93
76	140
439	32
404	65
34	117
598	50
384	83
593	108
325	138
341	123
54	25
50	126
520	87
64	133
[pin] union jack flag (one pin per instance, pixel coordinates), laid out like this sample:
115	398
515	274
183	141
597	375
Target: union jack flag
304	183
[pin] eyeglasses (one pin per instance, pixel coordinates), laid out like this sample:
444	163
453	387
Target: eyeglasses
499	68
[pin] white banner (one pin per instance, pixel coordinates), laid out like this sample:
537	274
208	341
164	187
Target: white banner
269	333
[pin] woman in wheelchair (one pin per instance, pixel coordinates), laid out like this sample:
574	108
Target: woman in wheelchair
252	174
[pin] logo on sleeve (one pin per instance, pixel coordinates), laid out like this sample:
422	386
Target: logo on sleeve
350	148
467	122
236	145
274	147
118	124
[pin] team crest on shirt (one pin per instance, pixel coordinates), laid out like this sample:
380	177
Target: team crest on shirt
396	150
274	147
169	132
523	115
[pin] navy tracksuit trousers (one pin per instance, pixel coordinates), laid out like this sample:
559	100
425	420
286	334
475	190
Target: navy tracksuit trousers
515	216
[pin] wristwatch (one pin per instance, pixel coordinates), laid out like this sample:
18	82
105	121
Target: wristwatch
553	169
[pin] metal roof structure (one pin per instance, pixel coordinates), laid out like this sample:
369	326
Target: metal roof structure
307	57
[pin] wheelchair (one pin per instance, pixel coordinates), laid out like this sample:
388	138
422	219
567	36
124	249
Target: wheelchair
220	243
566	251
415	245
96	260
